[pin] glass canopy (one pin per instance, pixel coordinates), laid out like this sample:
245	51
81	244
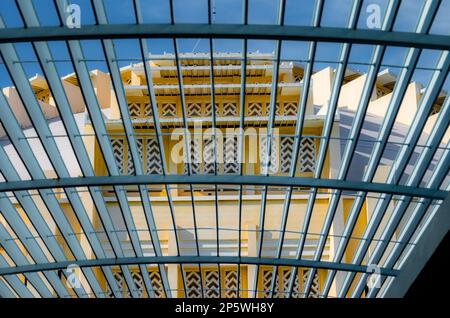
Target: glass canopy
227	148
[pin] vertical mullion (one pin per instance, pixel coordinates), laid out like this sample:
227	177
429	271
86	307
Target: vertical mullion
295	154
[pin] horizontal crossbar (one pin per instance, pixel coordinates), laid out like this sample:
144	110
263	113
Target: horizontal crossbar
195	260
344	185
237	31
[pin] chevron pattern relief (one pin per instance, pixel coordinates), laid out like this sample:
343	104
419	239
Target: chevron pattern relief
307	155
268	166
290	108
266	282
129	168
276	291
208	145
196	156
229	109
315	286
150	158
43	97
153	164
121	285
296	289
254	109
283	288
148	112
277	109
135	110
157	285
231	283
169	110
211	284
194	110
181	158
286	150
140	146
208	109
193	288
118	146
139	285
212	287
230	155
138	282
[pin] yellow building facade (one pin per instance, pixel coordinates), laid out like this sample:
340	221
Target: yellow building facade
216	220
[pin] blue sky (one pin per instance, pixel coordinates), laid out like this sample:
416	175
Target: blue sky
298	12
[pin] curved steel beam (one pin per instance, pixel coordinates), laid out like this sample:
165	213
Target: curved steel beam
266	32
225	180
194	260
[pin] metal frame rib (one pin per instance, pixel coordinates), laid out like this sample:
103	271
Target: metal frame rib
227	31
155	114
403	80
404	156
36	252
267	161
417	175
90	99
354	134
44	55
187	144
108	48
332	106
307	78
35	114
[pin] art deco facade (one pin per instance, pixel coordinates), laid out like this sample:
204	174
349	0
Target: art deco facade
231	176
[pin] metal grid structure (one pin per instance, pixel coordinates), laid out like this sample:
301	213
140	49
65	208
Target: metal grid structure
36	264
